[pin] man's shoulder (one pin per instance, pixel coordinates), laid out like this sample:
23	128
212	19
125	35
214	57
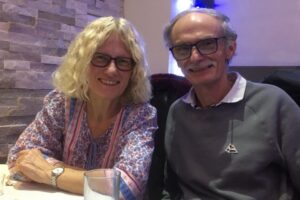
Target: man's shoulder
264	89
178	103
266	95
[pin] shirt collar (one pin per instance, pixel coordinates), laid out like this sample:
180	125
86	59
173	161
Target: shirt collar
235	94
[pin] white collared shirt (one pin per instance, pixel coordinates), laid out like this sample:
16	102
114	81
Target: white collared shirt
235	94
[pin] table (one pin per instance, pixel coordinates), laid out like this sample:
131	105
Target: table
34	191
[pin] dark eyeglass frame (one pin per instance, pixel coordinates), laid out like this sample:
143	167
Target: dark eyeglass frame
190	46
117	60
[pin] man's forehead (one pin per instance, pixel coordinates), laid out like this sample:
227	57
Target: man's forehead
199	18
195	22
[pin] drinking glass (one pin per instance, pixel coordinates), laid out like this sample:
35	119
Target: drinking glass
2	182
102	184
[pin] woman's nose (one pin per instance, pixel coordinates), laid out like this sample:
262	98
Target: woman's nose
112	66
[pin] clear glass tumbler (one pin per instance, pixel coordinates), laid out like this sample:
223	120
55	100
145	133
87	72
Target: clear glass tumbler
102	184
2	182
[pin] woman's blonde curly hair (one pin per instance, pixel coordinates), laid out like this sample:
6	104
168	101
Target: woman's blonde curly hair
71	76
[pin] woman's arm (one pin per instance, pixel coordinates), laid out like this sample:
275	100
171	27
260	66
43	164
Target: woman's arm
45	132
136	152
32	164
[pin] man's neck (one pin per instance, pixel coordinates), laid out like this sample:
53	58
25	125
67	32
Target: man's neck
209	95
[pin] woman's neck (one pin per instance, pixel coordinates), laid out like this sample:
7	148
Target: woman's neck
99	110
100	115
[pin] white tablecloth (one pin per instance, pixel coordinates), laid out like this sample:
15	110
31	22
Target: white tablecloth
34	191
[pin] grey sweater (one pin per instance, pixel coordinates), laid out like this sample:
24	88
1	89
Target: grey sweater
265	129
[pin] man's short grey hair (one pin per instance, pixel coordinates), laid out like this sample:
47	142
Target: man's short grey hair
229	33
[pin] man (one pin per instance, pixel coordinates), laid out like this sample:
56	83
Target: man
227	138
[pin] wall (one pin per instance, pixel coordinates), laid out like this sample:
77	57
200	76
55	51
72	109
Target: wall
150	17
268	33
34	35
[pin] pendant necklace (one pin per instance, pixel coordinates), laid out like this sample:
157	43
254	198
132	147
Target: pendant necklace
231	149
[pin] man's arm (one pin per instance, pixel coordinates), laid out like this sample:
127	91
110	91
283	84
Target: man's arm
171	187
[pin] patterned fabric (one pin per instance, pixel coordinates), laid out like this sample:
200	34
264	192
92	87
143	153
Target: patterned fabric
60	130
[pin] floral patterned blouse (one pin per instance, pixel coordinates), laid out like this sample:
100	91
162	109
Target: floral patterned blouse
60	130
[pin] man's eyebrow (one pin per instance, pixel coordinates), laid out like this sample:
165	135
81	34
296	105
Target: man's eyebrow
191	43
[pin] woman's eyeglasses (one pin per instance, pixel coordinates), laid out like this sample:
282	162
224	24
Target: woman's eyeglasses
204	47
122	63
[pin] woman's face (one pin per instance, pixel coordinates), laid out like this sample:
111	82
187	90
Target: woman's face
109	82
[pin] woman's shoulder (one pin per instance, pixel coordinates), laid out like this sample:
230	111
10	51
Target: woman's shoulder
139	115
142	112
54	95
141	108
54	100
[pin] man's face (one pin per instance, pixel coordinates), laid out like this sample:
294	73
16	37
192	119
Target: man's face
209	66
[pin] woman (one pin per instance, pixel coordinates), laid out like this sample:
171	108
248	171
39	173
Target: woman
97	116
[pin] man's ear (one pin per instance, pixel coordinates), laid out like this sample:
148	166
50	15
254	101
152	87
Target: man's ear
231	48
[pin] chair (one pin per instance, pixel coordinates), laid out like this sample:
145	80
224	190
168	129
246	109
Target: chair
288	80
166	88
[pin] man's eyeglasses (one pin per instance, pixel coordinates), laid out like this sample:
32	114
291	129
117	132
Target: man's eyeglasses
122	63
204	47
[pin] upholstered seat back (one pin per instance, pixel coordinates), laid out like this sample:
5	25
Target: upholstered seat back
166	88
288	80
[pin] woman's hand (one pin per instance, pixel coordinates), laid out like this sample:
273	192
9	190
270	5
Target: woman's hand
32	164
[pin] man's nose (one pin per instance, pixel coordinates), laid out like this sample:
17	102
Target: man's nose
195	54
